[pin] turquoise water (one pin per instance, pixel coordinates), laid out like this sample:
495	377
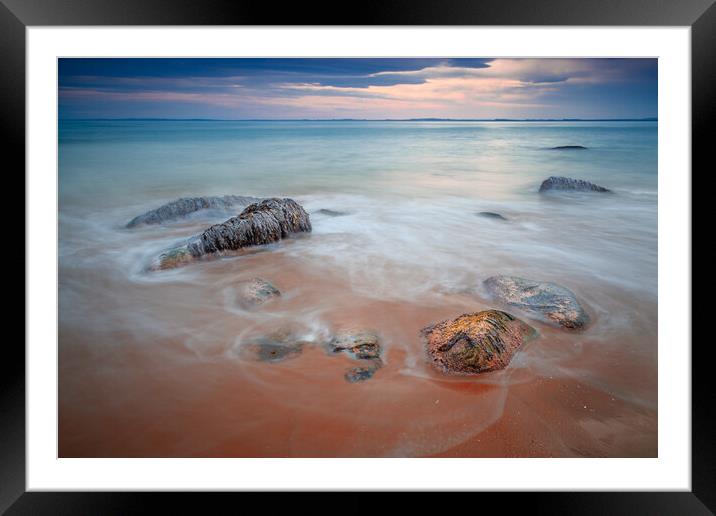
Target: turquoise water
409	250
405	181
151	160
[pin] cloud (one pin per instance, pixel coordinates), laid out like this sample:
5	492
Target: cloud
442	88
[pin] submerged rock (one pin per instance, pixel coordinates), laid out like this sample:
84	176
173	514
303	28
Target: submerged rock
359	374
331	213
476	343
184	206
260	223
548	302
567	183
255	292
360	344
490	215
569	147
173	258
278	346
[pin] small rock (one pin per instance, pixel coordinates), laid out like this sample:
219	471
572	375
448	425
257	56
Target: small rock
359	374
548	302
360	344
175	258
569	147
278	346
331	213
569	184
255	292
476	343
490	215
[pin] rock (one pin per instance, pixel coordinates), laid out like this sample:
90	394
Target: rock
359	374
547	302
174	258
476	343
566	183
331	213
278	346
255	292
183	207
260	223
569	147
490	215
360	344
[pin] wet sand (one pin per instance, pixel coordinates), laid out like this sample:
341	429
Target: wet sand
152	368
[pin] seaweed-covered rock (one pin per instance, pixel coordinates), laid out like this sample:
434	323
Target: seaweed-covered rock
476	343
174	258
260	223
278	346
255	292
490	215
569	147
184	206
546	302
569	184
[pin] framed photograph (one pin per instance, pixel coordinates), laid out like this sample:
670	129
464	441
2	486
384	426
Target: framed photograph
423	249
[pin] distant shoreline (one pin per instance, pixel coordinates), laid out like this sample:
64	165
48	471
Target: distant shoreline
648	119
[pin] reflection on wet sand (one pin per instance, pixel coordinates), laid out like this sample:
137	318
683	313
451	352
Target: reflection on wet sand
189	393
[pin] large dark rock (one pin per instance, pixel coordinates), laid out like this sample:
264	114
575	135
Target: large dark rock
569	184
476	343
260	223
183	207
546	302
255	292
569	147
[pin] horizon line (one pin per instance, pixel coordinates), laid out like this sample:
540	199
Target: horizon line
428	119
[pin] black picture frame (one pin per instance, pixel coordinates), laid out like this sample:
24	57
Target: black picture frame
17	15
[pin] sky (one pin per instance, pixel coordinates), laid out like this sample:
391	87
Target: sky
375	88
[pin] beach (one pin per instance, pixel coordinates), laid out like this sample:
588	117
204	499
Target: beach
153	363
